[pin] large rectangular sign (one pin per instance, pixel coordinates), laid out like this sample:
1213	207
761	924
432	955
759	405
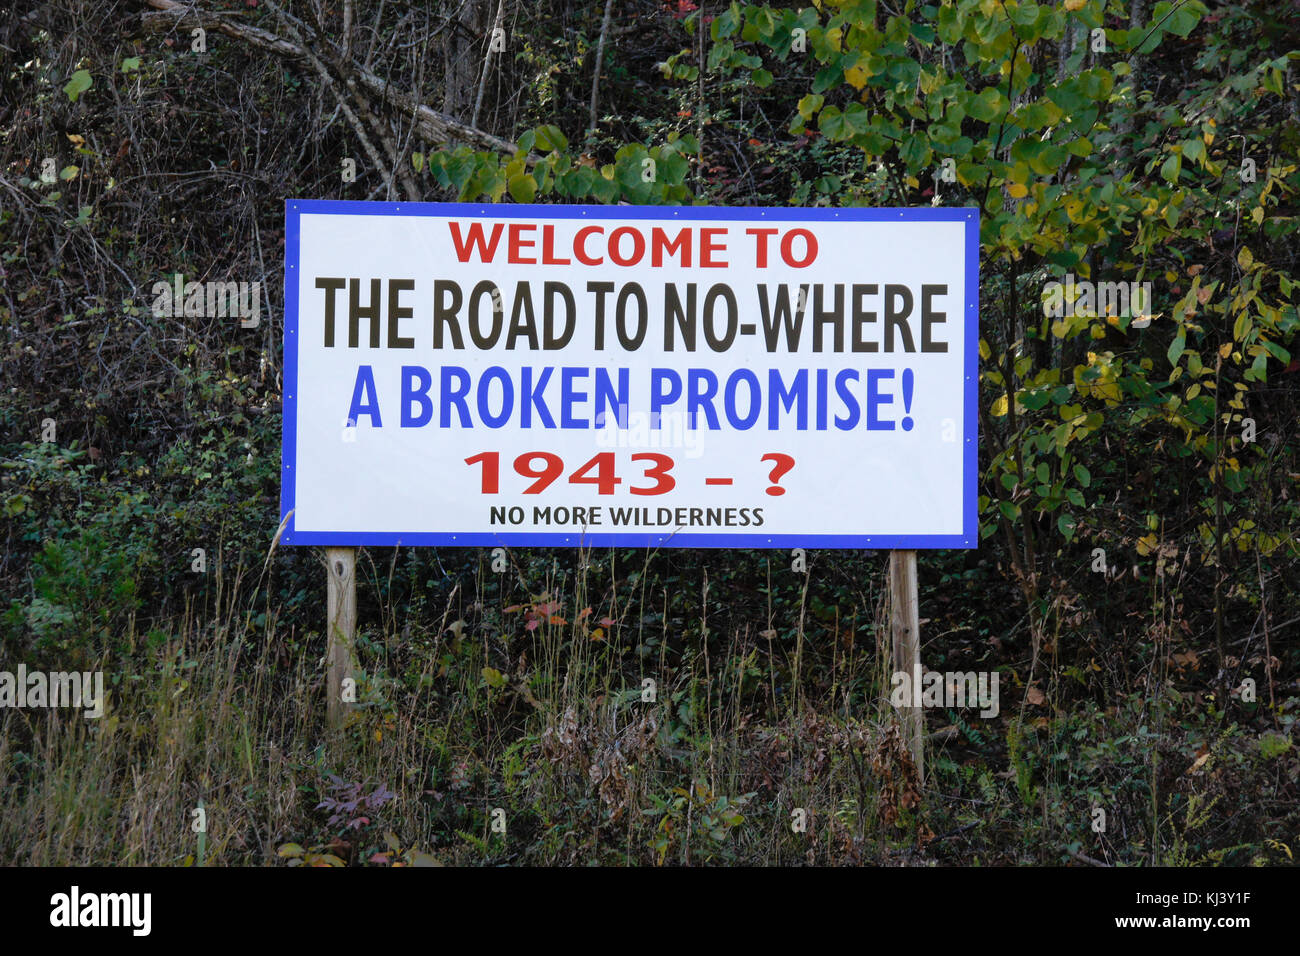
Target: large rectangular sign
464	374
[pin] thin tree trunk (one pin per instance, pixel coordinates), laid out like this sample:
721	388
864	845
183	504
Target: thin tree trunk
600	62
487	62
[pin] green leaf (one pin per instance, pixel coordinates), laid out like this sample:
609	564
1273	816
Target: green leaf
725	24
1171	168
496	185
1067	96
1177	346
988	105
831	123
1079	147
762	79
1082	476
523	187
578	182
605	190
1275	350
1096	83
80	82
673	169
1066	524
1183	18
130	63
550	138
1024	14
1241	328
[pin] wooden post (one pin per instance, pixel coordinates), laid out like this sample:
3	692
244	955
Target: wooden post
905	632
341	599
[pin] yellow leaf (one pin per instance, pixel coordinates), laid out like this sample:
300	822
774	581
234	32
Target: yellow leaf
1245	259
1147	544
75	140
856	77
999	407
1225	350
1017	191
1073	5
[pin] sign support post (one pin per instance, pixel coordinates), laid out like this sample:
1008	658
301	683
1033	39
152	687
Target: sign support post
905	628
341	600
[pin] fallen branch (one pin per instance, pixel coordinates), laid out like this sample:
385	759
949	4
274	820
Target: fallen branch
942	734
344	74
373	154
434	126
1084	858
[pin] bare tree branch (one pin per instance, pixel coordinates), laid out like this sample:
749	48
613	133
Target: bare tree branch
434	126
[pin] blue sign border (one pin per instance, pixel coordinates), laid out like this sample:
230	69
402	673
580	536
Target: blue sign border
294	209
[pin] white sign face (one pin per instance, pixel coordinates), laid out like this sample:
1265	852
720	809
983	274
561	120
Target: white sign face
462	374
